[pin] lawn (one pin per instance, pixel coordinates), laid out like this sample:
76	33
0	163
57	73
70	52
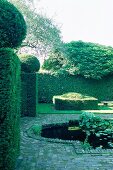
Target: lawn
49	109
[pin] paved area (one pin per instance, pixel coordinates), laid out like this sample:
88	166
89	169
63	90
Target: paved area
43	155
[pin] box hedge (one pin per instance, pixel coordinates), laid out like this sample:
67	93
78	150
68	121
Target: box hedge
29	94
75	101
9	108
29	84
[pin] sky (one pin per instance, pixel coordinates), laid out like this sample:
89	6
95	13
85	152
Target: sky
86	20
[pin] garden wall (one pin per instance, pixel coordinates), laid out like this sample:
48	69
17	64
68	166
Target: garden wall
29	94
9	108
50	85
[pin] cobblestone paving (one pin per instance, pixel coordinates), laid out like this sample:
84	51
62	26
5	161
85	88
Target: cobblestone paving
43	155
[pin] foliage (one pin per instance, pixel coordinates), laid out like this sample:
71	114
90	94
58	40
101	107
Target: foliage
9	108
72	95
88	121
29	80
92	124
36	129
12	25
42	33
29	94
50	85
75	101
91	60
87	59
29	63
55	62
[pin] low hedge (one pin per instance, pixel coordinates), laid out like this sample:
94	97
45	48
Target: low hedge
9	108
75	101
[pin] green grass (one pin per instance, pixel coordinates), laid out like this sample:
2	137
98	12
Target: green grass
105	108
49	109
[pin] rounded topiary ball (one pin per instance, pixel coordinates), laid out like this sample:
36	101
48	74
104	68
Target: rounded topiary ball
29	63
12	25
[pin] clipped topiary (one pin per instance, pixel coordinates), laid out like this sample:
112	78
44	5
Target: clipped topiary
75	101
29	63
12	25
9	108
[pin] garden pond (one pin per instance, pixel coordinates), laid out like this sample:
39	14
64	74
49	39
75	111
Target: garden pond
90	129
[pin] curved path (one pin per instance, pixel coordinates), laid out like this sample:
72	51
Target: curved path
43	155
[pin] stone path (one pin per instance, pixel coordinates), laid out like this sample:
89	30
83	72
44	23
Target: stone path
43	155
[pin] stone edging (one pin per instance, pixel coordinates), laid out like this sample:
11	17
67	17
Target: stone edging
77	145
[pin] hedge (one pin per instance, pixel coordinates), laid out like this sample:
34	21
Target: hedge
29	94
9	108
75	101
50	85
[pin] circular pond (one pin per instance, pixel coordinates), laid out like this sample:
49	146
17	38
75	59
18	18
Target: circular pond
71	131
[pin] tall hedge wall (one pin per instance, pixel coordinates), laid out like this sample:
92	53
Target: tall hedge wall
50	85
9	108
29	94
